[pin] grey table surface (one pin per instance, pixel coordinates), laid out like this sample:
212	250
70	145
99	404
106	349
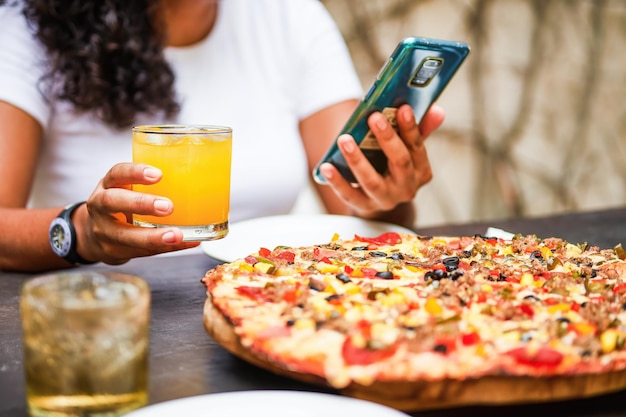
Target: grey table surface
185	361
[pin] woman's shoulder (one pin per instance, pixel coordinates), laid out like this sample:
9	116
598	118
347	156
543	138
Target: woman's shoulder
13	24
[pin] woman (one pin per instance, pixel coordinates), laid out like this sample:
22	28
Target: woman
76	75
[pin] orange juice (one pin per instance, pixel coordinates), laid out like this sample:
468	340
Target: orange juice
195	162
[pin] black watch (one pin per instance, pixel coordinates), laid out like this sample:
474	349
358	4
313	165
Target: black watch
62	236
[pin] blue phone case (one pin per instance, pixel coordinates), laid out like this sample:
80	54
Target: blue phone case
416	73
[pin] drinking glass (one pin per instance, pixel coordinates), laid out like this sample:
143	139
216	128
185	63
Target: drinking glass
85	343
195	161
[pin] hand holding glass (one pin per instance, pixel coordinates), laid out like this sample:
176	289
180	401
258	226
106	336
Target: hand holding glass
86	340
195	161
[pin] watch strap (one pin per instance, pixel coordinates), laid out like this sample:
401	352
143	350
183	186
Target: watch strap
66	215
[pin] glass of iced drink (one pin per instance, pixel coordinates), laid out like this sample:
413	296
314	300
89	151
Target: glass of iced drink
86	340
195	161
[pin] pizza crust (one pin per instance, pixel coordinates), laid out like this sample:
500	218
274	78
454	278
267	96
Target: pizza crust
423	395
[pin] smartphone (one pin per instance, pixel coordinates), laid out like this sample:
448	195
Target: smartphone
416	73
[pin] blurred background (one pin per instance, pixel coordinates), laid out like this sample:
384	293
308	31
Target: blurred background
535	119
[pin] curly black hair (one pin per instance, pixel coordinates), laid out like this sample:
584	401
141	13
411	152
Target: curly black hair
105	56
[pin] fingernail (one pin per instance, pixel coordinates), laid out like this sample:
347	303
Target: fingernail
169	237
347	144
326	171
408	116
380	122
151	173
162	205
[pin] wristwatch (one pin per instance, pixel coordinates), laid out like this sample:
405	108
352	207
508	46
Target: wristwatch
62	236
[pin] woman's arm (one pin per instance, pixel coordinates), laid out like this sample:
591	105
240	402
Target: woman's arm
390	197
102	228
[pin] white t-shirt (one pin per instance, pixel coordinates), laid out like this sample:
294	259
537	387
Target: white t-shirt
266	65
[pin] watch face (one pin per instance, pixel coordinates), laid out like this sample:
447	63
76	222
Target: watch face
60	238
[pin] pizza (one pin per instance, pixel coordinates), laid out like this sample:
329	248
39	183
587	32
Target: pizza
418	322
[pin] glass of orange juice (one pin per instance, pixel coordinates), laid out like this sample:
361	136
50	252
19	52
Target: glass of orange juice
195	161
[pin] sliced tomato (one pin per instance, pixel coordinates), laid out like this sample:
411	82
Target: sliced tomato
468	339
290	295
286	256
619	288
264	252
388	238
527	310
353	355
369	272
255	293
251	259
542	357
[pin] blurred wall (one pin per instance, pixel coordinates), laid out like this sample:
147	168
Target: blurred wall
535	120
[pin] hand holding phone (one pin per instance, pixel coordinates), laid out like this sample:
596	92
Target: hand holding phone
416	73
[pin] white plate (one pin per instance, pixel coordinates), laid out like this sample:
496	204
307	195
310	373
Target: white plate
266	404
248	236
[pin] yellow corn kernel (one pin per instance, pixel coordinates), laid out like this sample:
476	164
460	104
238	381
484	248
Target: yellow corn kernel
330	289
393	299
480	350
546	252
357	273
608	340
351	288
527	279
486	288
335	237
508	250
325	268
304	324
432	307
244	266
558	307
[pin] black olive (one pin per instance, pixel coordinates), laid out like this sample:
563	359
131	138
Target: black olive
451	263
563	320
501	277
594	273
396	256
332	297
536	255
454	275
384	275
532	297
467	254
291	322
440	348
435	274
343	278
359	248
378	254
